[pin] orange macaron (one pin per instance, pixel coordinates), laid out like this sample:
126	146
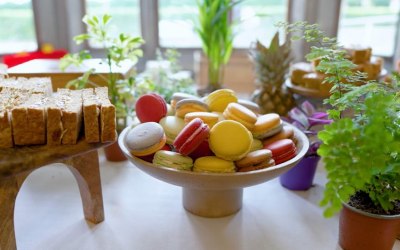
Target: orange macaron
255	160
237	112
267	125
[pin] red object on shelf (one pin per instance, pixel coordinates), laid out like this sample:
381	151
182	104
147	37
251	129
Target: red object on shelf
18	58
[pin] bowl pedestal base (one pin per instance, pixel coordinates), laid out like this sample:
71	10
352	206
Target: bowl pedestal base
212	203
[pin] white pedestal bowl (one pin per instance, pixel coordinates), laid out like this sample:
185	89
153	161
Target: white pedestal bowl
212	194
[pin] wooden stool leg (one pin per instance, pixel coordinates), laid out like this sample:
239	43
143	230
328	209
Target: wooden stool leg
8	193
86	170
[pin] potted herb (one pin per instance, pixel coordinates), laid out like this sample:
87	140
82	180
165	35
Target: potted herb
216	34
307	119
117	50
360	148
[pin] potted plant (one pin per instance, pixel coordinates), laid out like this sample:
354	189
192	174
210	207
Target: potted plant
307	119
216	34
360	148
117	50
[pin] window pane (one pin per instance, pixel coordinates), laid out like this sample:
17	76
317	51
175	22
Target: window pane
125	15
17	16
256	20
176	23
369	23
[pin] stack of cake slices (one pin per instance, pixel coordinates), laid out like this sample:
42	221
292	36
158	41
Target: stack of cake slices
30	114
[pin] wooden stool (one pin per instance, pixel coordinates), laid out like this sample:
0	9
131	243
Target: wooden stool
17	163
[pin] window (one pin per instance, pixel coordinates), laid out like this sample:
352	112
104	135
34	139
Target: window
19	36
256	20
125	15
370	23
176	24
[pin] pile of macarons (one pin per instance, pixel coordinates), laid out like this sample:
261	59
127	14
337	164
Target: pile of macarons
218	133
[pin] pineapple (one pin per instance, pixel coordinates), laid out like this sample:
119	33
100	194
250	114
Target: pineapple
271	66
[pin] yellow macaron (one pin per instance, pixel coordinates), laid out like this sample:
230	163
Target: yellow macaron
213	164
267	125
209	118
189	105
235	111
219	99
230	140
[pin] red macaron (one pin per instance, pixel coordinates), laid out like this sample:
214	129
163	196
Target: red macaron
202	150
150	108
191	136
282	150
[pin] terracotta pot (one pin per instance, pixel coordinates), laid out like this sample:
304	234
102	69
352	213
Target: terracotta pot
359	230
114	153
301	176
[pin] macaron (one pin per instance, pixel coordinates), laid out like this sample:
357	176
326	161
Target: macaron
230	140
150	108
219	99
173	160
237	112
191	136
176	97
172	125
202	150
256	145
189	105
209	118
145	139
282	150
286	133
267	125
149	158
250	105
213	164
255	160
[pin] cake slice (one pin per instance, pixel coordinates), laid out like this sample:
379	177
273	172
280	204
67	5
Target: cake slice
54	127
71	115
6	140
107	121
29	121
91	113
107	116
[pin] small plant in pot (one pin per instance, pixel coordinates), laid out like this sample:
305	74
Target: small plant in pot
360	148
307	119
216	33
117	50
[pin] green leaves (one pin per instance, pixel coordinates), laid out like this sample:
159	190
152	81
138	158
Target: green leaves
361	152
117	49
215	31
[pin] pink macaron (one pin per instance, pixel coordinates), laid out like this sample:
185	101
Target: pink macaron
191	136
150	108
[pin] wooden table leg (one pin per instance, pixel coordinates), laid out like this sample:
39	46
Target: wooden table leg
8	193
86	170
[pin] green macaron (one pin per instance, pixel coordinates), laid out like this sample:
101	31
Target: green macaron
171	159
172	125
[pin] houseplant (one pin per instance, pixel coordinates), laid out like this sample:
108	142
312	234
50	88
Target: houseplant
307	119
117	50
271	65
216	33
361	150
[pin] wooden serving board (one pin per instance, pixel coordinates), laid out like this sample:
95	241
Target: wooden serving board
25	158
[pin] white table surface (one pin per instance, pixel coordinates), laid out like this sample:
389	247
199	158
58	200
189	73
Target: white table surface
143	213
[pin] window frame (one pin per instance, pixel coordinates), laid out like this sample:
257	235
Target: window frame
58	21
